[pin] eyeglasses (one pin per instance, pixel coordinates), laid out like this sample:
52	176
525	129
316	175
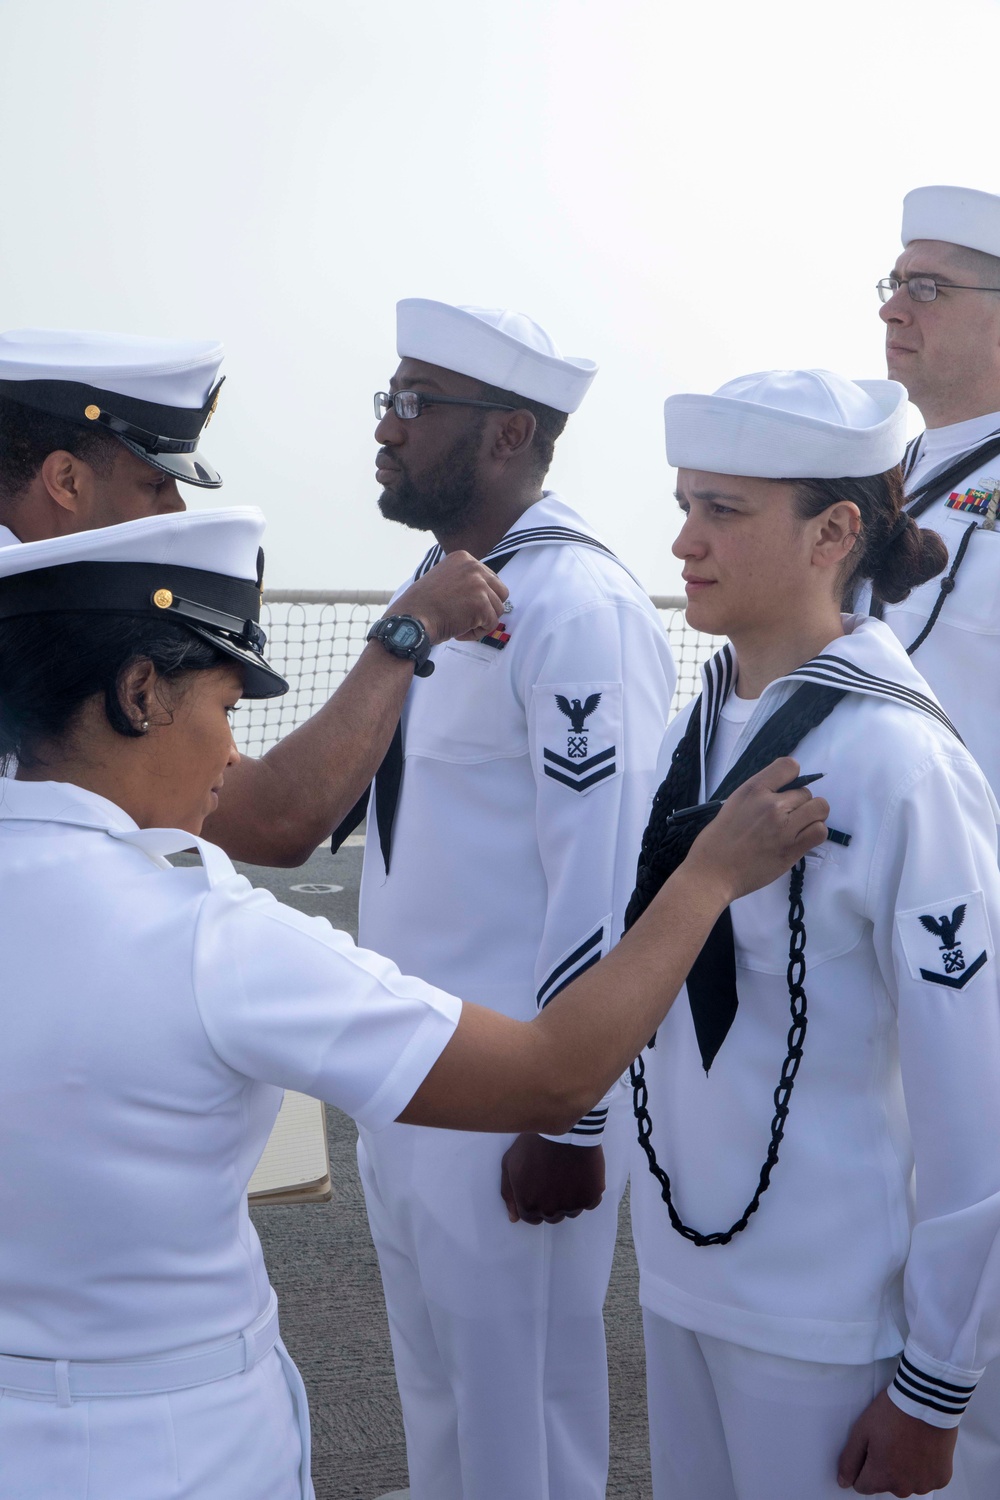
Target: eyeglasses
922	288
409	404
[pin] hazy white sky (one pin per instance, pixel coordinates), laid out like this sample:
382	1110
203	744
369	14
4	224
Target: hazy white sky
684	192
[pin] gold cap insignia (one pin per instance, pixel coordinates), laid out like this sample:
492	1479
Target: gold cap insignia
92	412
163	598
211	409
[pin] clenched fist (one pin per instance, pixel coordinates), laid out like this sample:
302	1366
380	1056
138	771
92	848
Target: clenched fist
459	599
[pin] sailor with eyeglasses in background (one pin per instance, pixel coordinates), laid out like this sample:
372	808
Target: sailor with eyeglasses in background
941	309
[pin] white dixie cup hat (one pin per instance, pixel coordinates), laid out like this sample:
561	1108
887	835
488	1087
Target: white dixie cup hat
789	424
956	215
493	344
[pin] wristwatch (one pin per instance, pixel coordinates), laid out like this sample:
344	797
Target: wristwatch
405	637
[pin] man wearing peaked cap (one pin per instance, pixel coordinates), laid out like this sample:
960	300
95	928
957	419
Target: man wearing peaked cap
501	846
97	429
816	1198
941	308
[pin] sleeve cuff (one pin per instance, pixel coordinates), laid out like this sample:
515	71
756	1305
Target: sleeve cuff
586	1132
930	1390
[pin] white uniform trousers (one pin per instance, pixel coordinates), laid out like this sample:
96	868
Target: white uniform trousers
729	1423
977	1456
236	1437
497	1328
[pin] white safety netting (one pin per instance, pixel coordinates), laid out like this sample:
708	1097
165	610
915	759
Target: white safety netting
315	638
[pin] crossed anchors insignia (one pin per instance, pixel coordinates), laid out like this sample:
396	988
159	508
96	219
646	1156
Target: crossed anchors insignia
946	928
577	713
578	769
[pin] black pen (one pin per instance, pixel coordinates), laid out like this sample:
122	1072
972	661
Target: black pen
684	813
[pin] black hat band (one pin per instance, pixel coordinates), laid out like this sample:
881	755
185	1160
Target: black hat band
153	589
158	429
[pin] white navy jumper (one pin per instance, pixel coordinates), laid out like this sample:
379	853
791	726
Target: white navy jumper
959	656
844	1262
958	659
151	1017
529	765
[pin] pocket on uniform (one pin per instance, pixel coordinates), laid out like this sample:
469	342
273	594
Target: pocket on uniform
975	601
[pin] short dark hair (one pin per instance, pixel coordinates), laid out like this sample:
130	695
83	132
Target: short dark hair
896	560
52	664
549	423
27	437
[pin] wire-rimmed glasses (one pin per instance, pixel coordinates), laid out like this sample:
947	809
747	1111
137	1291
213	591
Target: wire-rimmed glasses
923	288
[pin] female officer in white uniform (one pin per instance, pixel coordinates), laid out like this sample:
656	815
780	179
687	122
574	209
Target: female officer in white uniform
785	1263
151	1016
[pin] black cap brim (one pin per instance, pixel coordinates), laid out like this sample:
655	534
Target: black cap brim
259	680
189	468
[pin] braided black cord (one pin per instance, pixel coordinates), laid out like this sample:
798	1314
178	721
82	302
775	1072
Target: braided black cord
782	1094
947	585
664	846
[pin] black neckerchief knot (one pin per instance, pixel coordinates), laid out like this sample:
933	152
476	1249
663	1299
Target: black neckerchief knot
711	984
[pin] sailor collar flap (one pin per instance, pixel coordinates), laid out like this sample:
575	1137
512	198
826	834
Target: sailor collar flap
867	660
551	525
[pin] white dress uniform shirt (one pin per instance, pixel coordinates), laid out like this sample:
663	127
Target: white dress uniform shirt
7	537
843	1262
959	657
526	784
151	1018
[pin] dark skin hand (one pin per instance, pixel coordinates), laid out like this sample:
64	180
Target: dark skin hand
889	1452
276	810
544	1182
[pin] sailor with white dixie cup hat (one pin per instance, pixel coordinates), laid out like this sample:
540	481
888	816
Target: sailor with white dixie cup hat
941	310
99	428
500	854
817	1200
151	1017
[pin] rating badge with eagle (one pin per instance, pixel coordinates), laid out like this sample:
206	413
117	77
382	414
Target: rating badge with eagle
580	731
950	945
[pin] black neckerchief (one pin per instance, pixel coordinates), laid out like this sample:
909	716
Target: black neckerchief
711	984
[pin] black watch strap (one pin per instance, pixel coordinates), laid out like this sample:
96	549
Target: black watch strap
388	631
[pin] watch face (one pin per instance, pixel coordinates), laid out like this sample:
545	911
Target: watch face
405	634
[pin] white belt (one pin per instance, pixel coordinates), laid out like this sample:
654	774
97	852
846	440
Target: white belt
69	1380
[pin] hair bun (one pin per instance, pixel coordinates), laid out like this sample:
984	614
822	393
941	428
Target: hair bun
909	556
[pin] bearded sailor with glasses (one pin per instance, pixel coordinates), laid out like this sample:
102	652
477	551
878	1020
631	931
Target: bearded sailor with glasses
501	850
941	310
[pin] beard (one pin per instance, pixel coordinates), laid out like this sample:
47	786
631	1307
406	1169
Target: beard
445	495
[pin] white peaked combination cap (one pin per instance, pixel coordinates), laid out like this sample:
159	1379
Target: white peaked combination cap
492	344
789	424
154	395
202	570
957	215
